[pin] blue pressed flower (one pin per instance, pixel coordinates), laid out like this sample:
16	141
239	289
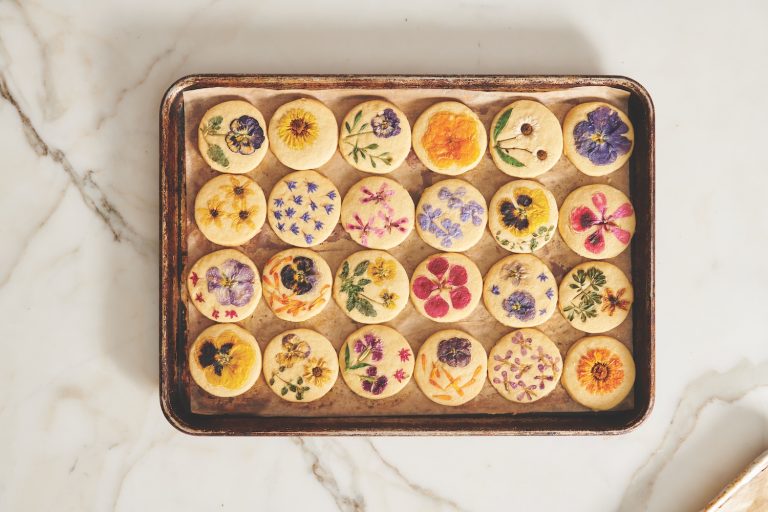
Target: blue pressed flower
308	238
385	124
311	187
281	226
305	217
331	195
453	198
495	289
549	293
472	210
278	214
279	202
542	312
312	205
520	304
328	208
294	229
318	225
298	199
542	277
291	184
290	212
245	135
601	136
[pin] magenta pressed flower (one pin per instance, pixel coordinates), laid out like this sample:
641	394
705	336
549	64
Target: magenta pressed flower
231	283
445	276
369	344
584	218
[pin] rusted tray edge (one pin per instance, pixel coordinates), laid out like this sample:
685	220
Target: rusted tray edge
172	189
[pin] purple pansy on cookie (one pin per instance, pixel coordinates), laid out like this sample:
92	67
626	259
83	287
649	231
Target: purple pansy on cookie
601	137
231	283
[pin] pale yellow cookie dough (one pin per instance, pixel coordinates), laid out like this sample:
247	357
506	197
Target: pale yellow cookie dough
597	221
300	365
598	138
376	362
449	138
520	291
451	215
524	366
377	212
232	137
522	216
598	372
304	208
296	284
224	286
225	360
451	367
375	137
230	210
595	296
446	287
371	287
526	139
303	134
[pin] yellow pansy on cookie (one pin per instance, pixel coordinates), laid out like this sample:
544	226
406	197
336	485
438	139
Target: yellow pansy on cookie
446	287
598	372
225	360
524	366
375	137
231	137
526	139
522	216
376	362
599	138
224	286
597	221
449	138
595	296
304	208
300	365
451	215
520	291
371	287
296	284
377	212
451	367
230	210
303	134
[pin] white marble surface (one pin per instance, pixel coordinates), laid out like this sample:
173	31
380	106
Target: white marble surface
80	85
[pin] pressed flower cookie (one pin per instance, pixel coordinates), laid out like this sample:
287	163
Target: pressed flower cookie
230	210
598	372
377	212
232	137
599	138
520	291
300	365
595	296
597	221
449	138
371	287
522	216
303	134
450	367
526	139
225	360
296	284
376	362
451	215
446	287
524	366
304	208
375	137
224	286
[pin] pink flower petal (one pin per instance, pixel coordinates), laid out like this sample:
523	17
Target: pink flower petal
457	276
600	202
460	297
438	266
595	242
423	287
622	211
436	307
621	234
582	218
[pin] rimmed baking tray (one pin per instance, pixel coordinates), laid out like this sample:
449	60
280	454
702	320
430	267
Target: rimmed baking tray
187	407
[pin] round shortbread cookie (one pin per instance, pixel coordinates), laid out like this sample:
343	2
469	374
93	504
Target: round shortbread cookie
232	137
377	212
371	287
598	138
451	215
300	365
224	286
595	296
296	284
451	367
449	138
597	221
376	362
304	208
598	372
524	366
225	360
520	291
303	134
375	137
230	210
522	216
446	287
526	139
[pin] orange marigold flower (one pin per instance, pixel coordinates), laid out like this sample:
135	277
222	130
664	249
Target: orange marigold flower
600	371
451	139
611	301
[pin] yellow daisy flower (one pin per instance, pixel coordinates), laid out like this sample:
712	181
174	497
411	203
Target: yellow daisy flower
238	189
389	299
243	217
382	270
298	128
227	360
316	372
212	213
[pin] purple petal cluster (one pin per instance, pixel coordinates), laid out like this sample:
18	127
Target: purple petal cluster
601	136
385	124
231	283
455	352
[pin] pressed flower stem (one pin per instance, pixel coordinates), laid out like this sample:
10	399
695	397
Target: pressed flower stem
356	134
507	150
508	138
372	300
